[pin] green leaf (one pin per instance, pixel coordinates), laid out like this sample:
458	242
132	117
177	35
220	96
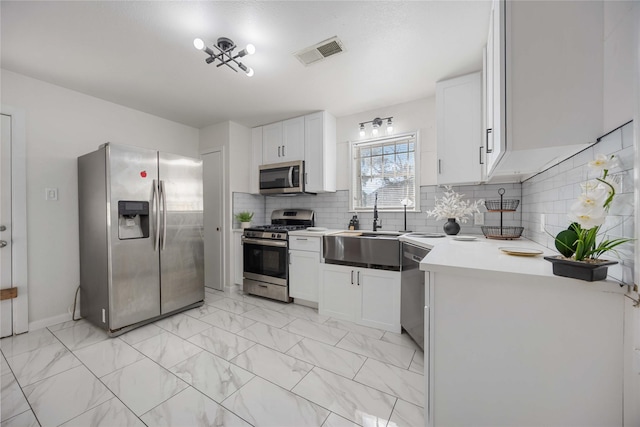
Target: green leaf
567	242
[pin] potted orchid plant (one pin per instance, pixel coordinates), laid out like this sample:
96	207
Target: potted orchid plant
452	208
579	244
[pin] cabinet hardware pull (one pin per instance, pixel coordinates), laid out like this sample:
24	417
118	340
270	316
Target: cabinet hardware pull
306	181
481	162
300	238
358	278
352	277
283	155
278	151
439	166
489	150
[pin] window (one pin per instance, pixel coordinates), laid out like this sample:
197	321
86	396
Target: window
386	166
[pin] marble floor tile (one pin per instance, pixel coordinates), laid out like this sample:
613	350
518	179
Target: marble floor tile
383	351
265	302
80	335
392	380
354	327
334	420
232	305
193	409
4	366
352	400
270	317
417	364
228	321
262	403
142	333
401	339
111	413
167	349
12	401
406	415
13	346
62	397
182	325
200	312
42	363
304	312
107	356
143	385
315	331
212	375
221	343
210	297
25	419
336	360
67	324
271	337
272	365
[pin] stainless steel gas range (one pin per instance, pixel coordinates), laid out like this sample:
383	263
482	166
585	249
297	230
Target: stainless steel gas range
266	253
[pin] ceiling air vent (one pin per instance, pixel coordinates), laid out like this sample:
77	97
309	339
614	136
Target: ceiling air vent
319	51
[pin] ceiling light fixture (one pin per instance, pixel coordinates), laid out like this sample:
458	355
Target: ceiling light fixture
376	124
226	46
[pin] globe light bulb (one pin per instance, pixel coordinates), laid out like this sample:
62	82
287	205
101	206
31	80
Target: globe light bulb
250	72
198	44
251	49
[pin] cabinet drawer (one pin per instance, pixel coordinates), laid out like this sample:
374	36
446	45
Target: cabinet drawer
304	243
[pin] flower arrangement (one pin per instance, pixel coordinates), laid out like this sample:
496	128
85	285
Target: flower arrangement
588	214
451	205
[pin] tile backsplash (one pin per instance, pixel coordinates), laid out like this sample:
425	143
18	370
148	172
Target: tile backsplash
552	192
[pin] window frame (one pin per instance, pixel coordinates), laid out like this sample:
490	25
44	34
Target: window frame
383	139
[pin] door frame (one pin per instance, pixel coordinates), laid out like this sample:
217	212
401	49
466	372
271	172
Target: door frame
20	306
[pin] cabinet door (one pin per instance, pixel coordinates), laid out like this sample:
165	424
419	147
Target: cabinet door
293	139
493	134
237	257
256	160
379	299
320	152
338	292
304	272
459	128
272	144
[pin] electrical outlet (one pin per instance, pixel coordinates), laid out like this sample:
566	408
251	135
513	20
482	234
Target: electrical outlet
543	224
51	194
478	218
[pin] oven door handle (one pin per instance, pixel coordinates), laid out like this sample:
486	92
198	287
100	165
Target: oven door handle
265	242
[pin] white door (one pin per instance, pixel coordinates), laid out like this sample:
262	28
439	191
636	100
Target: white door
213	219
6	326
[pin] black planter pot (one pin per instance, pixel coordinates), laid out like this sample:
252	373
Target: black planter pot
451	227
589	271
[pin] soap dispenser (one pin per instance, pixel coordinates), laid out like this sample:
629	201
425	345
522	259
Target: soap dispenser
354	224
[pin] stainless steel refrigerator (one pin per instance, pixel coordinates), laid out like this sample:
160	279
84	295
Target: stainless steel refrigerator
141	236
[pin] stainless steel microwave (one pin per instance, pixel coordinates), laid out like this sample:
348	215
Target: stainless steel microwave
282	178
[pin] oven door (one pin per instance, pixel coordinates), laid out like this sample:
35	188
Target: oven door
282	178
265	260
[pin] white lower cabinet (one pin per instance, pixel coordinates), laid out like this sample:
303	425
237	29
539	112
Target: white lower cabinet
362	295
237	257
304	267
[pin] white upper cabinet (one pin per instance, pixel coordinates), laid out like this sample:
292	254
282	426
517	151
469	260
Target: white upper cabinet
283	141
547	76
459	130
320	152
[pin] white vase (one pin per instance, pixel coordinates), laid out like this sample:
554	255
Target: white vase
244	225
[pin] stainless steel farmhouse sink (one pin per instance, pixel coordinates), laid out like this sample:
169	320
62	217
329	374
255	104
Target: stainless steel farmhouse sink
366	249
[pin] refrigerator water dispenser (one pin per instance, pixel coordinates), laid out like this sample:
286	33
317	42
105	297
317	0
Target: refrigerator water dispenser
133	219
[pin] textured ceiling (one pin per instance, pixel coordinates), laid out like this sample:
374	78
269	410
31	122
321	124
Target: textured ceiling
140	54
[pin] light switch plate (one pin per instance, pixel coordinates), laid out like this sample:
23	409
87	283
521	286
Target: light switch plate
542	222
51	194
478	218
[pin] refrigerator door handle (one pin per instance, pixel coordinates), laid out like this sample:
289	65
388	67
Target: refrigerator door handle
157	224
164	215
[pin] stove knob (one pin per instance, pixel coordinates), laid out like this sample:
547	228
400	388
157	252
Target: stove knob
273	235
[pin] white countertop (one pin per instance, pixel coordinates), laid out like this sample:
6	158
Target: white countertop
483	258
309	233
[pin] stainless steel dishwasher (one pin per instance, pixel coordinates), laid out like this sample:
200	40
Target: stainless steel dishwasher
412	292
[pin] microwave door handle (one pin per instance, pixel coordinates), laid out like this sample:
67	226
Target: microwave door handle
291	177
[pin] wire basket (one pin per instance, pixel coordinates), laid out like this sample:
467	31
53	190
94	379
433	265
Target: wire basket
502	233
503	205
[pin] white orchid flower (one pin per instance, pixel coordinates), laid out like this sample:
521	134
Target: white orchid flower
588	216
603	162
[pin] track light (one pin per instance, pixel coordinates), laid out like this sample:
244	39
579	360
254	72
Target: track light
226	47
376	124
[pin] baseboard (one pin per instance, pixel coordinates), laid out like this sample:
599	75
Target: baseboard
49	321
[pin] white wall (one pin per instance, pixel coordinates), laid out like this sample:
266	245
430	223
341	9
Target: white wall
417	115
60	126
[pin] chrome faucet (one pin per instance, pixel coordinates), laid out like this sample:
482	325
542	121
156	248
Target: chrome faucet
376	222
